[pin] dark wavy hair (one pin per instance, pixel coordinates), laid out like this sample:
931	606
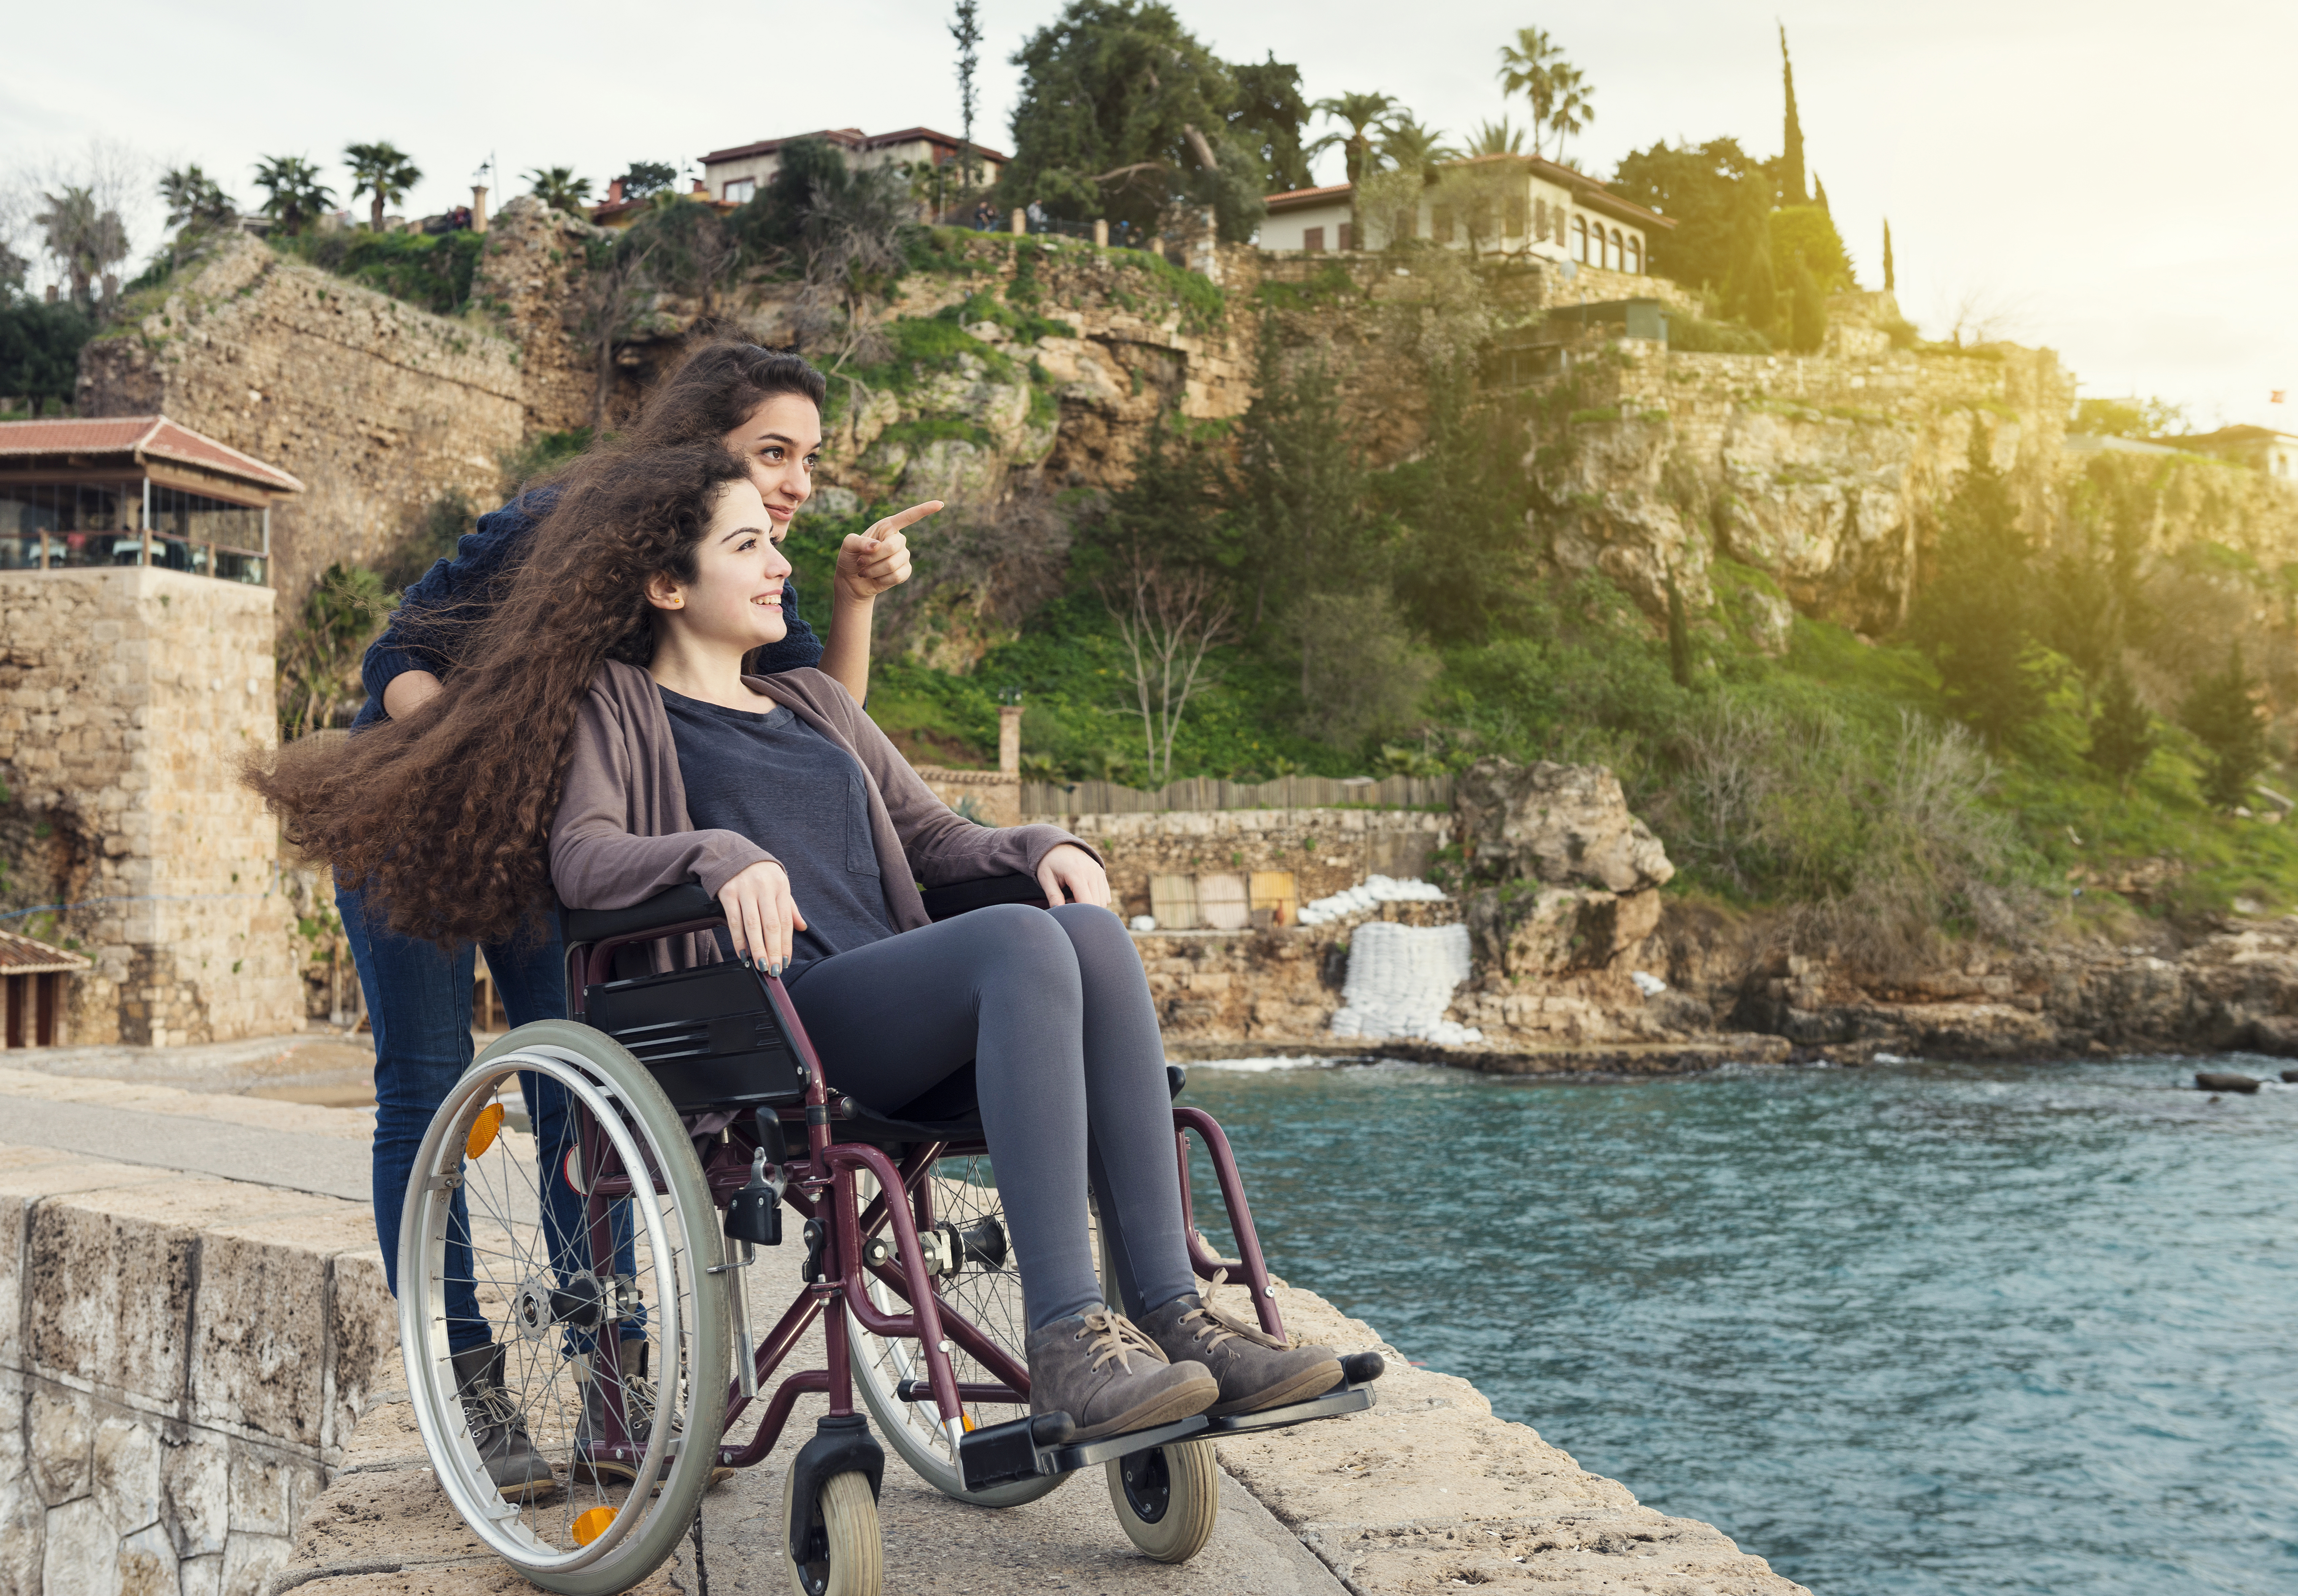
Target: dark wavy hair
444	817
715	387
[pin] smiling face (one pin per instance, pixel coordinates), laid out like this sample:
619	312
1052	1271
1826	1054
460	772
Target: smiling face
780	441
735	600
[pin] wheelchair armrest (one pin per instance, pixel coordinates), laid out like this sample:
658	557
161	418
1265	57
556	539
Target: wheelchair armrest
963	897
671	906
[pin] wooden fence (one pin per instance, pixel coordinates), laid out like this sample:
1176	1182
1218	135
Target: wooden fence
1205	792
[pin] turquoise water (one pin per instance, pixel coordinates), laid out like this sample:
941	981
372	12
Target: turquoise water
1928	1330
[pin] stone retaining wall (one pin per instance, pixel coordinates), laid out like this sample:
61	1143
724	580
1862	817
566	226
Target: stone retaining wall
182	1362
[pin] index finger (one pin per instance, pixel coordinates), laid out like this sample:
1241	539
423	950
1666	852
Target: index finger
902	518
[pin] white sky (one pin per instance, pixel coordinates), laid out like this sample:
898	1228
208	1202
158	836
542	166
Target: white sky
2100	173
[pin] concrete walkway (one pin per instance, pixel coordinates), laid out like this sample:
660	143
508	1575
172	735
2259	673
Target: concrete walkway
1427	1491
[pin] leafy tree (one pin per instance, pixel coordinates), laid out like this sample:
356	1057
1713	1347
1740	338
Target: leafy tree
2223	711
965	29
1267	119
1791	181
319	653
2122	735
2130	418
1973	613
648	177
85	237
383	171
1710	190
293	196
1751	292
1805	236
39	348
560	189
835	227
1806	313
1124	114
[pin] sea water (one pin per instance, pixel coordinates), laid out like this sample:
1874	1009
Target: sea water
1914	1329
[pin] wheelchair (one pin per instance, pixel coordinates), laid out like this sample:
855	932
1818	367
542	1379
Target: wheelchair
609	1268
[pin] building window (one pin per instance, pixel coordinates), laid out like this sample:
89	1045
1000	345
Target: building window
1540	221
1313	239
739	191
1348	241
1635	255
1615	257
1580	240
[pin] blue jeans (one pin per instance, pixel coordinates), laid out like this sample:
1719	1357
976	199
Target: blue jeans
418	1004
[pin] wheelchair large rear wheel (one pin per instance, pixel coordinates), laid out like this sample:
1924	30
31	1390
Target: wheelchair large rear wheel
597	1525
987	1289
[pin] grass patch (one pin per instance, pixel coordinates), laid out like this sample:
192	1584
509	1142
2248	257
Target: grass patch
432	272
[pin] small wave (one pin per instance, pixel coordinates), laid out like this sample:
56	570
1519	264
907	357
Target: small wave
1256	1066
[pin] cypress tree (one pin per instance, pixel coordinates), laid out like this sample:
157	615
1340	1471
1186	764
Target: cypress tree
1819	195
2222	714
1806	312
1792	184
2121	733
1679	637
1890	277
1974	615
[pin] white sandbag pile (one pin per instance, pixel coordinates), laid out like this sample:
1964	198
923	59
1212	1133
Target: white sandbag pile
1401	981
1376	890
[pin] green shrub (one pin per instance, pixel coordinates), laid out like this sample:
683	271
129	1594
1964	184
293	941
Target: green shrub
433	271
1696	335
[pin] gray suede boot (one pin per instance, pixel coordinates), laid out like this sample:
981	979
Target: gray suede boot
1254	1370
519	1472
1110	1378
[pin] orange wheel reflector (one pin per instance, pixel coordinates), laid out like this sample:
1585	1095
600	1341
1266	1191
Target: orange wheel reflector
967	1418
589	1527
483	1129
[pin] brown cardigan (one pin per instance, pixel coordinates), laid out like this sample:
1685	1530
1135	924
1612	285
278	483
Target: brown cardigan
622	833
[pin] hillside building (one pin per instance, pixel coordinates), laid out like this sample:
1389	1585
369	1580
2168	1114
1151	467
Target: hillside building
1522	205
2261	449
736	174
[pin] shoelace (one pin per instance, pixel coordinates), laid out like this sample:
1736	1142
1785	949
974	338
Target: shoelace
489	1408
1219	1327
1113	1336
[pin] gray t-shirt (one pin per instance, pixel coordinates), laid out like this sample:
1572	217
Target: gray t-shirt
775	779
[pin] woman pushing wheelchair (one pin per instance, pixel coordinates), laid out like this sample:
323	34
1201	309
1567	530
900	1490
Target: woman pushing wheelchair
599	735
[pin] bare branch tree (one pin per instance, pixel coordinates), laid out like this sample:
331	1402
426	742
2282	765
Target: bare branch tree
1169	621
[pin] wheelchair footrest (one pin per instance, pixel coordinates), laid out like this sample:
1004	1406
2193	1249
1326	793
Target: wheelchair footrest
1042	1444
1353	1394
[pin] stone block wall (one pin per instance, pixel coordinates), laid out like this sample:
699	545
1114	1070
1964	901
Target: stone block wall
182	1360
128	698
1326	849
378	406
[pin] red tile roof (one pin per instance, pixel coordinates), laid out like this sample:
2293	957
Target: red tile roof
22	956
1294	198
139	437
853	138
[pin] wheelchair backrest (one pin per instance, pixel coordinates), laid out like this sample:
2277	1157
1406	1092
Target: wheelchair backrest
708	1035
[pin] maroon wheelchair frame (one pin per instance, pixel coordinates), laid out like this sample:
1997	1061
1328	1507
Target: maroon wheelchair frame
821	1187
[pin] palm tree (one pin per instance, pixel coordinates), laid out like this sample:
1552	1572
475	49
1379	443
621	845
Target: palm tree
295	195
84	237
1364	114
1502	138
195	199
1528	67
560	189
1410	147
383	171
1573	108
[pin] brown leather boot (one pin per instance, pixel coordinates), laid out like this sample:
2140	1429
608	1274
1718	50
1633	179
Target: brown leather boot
1110	1378
1254	1370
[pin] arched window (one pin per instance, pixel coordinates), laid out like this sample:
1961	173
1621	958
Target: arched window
1635	255
1580	239
1616	257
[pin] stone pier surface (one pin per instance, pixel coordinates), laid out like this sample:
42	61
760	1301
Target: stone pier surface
200	1395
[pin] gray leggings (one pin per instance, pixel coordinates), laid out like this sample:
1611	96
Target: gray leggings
1054	1010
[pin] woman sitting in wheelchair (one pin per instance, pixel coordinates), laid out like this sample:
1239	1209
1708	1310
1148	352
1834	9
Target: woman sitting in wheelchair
605	703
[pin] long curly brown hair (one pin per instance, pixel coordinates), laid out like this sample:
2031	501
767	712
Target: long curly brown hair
444	817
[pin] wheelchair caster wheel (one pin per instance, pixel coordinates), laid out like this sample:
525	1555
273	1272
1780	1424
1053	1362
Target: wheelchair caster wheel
850	1556
1166	1499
